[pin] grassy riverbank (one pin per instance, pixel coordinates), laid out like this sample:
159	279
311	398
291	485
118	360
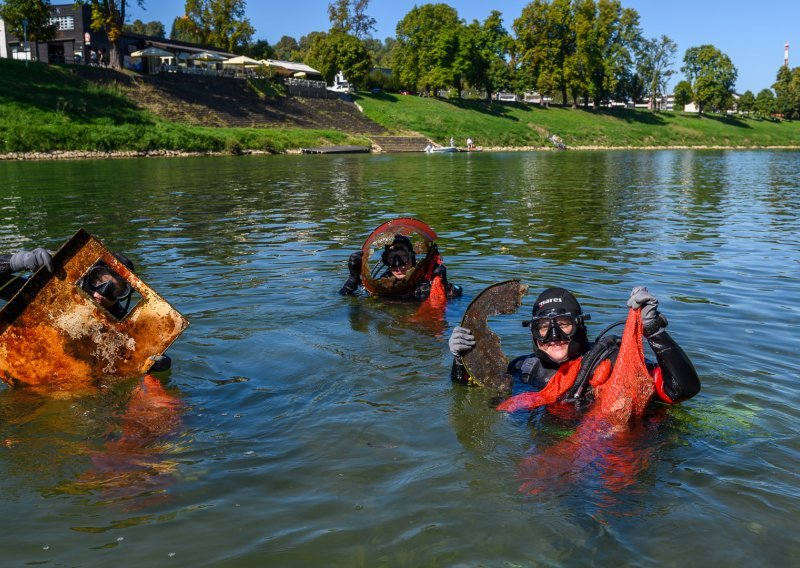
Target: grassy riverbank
46	108
521	125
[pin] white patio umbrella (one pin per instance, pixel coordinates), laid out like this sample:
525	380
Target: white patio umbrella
208	57
242	61
152	52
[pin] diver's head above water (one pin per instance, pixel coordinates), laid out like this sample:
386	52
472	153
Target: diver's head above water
557	326
399	256
108	288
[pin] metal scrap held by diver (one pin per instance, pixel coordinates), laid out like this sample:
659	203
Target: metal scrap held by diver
423	240
486	364
55	336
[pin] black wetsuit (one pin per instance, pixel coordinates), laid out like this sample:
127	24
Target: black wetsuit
674	376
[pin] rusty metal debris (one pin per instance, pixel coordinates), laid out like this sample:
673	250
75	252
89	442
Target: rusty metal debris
486	364
423	239
54	336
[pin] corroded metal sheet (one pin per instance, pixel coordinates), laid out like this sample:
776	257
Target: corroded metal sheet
54	336
486	363
423	239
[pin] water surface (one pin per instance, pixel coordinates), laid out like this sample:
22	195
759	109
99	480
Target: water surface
299	428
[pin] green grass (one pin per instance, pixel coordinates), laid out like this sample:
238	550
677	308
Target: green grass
48	107
522	125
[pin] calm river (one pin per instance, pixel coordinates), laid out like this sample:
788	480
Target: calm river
300	428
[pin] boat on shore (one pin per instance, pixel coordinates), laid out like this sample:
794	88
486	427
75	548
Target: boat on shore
440	149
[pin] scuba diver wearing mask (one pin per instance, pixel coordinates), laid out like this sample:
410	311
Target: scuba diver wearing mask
108	288
397	261
113	292
559	336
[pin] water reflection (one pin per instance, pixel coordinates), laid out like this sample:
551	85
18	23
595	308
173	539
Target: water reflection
326	430
117	444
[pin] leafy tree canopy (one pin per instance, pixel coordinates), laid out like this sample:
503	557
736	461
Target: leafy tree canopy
221	23
35	13
712	75
153	29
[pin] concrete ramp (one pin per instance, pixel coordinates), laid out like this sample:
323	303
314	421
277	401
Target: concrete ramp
400	143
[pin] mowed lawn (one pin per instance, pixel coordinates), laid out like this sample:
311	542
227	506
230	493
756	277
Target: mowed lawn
523	125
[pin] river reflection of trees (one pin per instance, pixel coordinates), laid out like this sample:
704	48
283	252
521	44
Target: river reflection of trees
561	206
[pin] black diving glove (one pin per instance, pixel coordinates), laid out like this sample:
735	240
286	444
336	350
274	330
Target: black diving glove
31	260
354	266
653	321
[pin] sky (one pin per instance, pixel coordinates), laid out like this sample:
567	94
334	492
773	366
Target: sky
752	34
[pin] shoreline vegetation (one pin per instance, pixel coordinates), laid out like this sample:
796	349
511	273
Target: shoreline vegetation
51	112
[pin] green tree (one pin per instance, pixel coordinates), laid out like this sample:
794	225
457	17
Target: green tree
37	14
683	95
427	46
109	16
545	39
343	52
259	50
765	103
184	30
152	29
712	75
305	44
787	92
485	49
606	35
350	17
221	23
746	103
381	52
654	59
285	49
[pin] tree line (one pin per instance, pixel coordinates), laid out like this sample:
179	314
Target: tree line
573	52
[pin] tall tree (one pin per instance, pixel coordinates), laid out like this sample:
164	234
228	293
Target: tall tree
285	48
427	47
787	92
654	60
153	29
221	23
683	95
765	103
746	102
485	48
35	14
343	52
545	39
380	51
260	49
605	36
712	75
350	17
109	16
184	30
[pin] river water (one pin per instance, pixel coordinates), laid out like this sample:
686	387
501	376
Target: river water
300	428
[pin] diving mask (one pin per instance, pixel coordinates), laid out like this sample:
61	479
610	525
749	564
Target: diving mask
107	283
555	326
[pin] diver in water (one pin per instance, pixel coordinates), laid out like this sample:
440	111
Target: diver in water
106	287
398	259
558	328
